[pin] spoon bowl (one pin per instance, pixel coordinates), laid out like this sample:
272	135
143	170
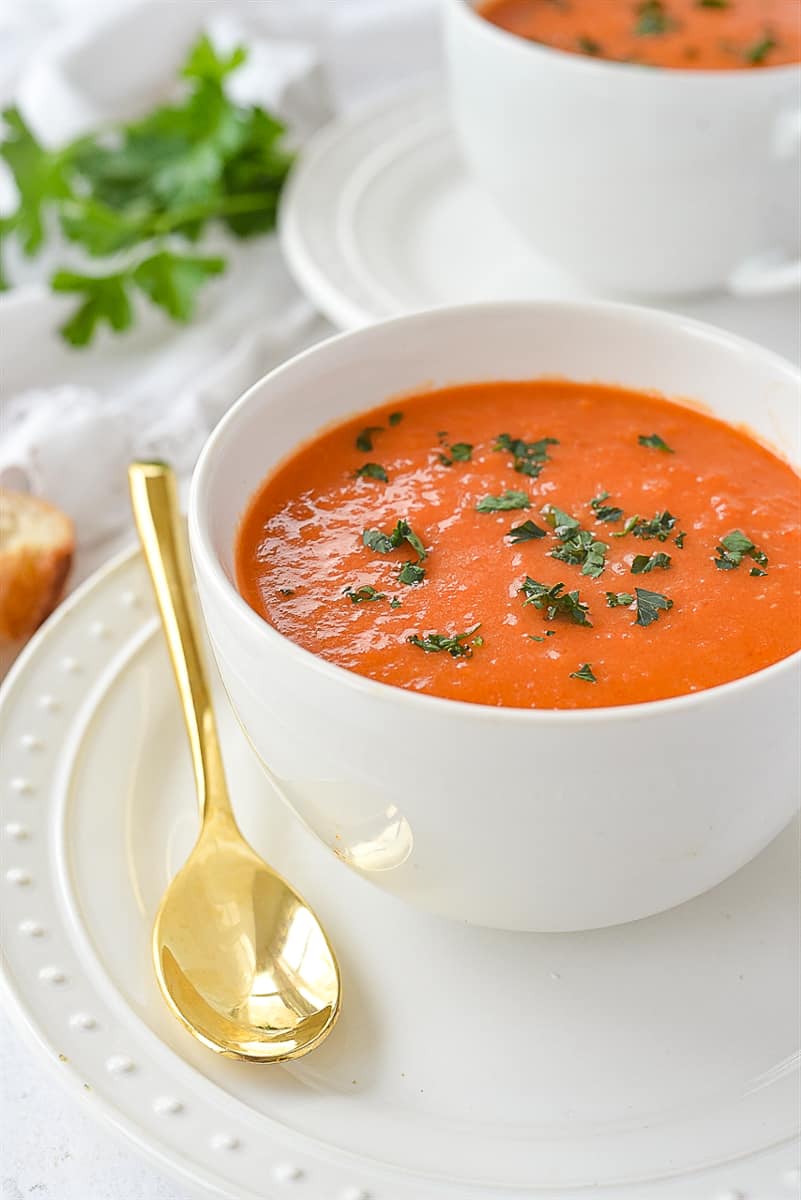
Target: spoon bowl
240	958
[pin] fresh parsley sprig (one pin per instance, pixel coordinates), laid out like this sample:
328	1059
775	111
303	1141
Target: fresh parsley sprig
147	190
736	546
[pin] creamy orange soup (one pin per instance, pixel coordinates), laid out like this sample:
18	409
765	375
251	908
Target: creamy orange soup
703	34
535	544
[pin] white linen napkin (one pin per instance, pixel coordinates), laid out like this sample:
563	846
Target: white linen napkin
70	420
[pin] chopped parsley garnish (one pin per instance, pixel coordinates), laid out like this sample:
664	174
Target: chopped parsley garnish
652	19
654	442
584	672
536	637
711	3
364	440
554	601
660	527
527	532
649	606
756	54
529	457
395	418
734	547
394	602
588	45
410	573
644	563
579	547
372	471
619	599
287	591
605	512
362	595
458	452
757	571
679	539
384	543
456	644
504	502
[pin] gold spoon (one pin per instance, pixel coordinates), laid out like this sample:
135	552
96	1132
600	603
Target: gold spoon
241	959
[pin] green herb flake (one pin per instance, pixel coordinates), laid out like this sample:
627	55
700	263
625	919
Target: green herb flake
457	644
372	470
503	503
659	527
588	45
619	599
364	440
654	442
536	637
757	571
410	573
734	547
585	673
712	3
363	595
527	532
605	512
644	563
649	606
679	539
579	547
755	55
528	457
554	601
653	19
395	602
394	418
459	452
384	543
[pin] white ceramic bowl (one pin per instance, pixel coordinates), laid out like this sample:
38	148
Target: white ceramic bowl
641	180
506	817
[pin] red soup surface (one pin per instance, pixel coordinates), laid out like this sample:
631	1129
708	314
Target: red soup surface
538	544
702	34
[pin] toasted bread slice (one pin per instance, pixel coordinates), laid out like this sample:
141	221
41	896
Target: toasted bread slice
37	542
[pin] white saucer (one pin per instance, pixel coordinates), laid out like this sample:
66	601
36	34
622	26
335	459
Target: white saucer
380	217
467	1065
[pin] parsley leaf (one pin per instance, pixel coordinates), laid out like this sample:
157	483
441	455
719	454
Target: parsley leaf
579	547
756	54
605	512
459	452
105	301
410	573
660	527
456	644
372	470
619	599
588	45
655	442
733	549
363	594
554	601
649	606
652	19
642	563
536	637
41	177
711	3
527	532
679	539
584	672
529	457
394	418
507	500
364	440
384	543
757	571
172	281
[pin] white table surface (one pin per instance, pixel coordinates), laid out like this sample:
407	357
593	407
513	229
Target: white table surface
49	1148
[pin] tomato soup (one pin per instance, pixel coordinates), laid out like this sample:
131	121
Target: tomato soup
702	34
539	544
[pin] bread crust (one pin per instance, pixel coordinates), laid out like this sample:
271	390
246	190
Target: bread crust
37	544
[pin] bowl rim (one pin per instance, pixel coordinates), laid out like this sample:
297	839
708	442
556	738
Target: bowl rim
206	560
504	37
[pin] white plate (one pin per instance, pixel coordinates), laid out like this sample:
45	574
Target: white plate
380	217
467	1065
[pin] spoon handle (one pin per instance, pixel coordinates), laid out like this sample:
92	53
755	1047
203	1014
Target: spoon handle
159	523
